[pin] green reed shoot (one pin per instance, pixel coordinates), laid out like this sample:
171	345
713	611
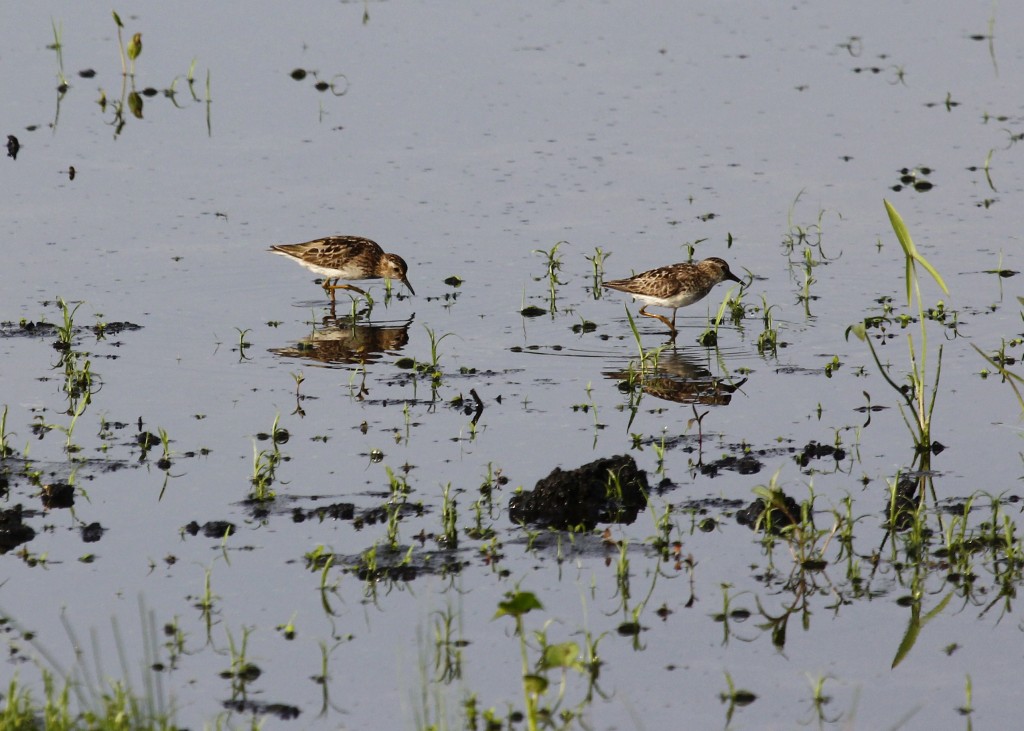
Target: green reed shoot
164	462
243	344
66	331
690	247
206	602
209	104
5	448
435	360
805	295
968	707
648	358
554	265
58	47
134	49
447	645
709	338
735	698
68	430
737	309
768	339
919	398
120	42
78	380
449	519
516	605
399	494
597	262
999	364
242	671
809	237
263	466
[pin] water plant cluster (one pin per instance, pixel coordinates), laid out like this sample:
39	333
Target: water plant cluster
130	101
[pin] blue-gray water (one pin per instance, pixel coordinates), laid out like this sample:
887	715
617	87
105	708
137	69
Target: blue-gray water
469	136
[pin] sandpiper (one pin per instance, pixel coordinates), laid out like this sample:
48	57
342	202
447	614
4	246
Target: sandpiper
675	286
346	257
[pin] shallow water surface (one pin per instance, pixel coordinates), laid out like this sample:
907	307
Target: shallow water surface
514	154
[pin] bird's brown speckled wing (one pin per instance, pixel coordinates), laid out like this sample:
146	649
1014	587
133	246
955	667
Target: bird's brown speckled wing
328	252
662	282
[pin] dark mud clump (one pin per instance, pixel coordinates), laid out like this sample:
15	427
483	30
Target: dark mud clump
608	490
901	508
783	512
58	495
13	531
211	529
813	450
42	329
281	711
334	511
92	532
746	464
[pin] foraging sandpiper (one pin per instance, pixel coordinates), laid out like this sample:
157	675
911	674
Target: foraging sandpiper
346	257
675	286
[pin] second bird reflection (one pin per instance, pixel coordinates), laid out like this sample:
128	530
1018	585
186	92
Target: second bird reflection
349	343
683	381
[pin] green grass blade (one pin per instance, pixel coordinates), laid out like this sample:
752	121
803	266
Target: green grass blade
909	250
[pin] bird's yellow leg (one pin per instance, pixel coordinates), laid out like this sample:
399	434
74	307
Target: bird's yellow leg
671	323
333	287
328	287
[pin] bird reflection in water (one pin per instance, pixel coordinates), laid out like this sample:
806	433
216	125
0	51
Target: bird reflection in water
345	342
681	380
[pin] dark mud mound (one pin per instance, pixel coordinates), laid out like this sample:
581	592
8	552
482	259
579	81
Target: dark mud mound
781	513
13	530
608	490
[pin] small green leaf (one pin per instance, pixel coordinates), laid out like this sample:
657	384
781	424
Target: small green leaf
564	655
909	250
914	626
117	19
518	604
910	635
135	104
535	684
135	46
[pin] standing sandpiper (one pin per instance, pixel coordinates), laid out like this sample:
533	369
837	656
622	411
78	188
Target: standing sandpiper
675	286
346	257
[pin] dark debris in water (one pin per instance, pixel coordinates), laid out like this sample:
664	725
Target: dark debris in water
334	511
399	564
813	450
281	711
901	508
750	462
92	532
211	528
13	530
781	514
607	490
58	495
51	478
27	328
746	464
915	178
41	329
